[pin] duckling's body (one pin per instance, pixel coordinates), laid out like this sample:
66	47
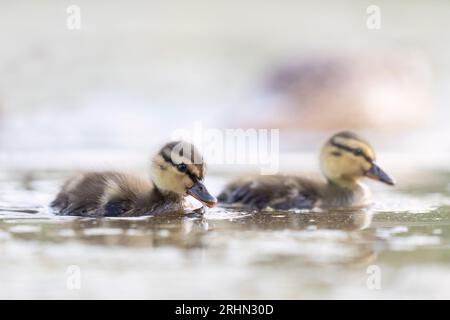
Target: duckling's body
277	191
345	159
283	192
118	194
113	194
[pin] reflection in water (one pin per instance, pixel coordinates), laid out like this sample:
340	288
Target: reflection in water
224	253
334	220
210	231
183	231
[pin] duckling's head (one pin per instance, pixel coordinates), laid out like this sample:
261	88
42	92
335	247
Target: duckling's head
346	158
179	168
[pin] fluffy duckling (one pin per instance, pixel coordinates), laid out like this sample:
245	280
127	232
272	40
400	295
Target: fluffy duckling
177	170
345	159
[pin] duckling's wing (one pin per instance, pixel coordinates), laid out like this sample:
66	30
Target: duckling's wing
100	194
277	192
122	194
114	208
80	195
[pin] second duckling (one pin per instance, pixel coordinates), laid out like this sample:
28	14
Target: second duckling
177	170
345	159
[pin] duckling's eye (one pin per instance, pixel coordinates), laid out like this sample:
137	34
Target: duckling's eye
357	152
182	167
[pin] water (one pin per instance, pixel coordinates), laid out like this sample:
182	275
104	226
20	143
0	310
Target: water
109	95
227	253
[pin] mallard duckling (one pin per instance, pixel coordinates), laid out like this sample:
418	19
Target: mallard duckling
177	170
345	159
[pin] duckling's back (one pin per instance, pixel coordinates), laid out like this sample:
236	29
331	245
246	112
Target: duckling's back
277	192
101	194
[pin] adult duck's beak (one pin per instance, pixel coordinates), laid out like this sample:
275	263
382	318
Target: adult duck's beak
199	192
377	173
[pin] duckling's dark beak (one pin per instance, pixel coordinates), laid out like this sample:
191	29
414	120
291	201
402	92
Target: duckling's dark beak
199	192
377	173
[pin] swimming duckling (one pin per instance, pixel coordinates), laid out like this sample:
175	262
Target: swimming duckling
345	159
177	170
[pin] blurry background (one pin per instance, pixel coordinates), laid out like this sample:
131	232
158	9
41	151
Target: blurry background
108	95
105	95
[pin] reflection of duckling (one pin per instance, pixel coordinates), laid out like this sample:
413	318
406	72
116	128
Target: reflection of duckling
345	159
177	171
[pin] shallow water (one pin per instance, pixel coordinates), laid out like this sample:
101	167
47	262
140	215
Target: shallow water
102	98
404	237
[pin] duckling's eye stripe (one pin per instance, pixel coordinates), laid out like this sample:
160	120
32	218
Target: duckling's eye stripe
192	176
352	150
168	159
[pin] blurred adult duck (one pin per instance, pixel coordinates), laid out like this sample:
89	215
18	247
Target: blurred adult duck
384	90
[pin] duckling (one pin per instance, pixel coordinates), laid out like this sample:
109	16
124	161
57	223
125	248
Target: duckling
177	170
345	159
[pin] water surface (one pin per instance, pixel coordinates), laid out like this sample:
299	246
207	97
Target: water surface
227	253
